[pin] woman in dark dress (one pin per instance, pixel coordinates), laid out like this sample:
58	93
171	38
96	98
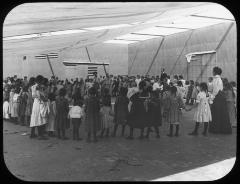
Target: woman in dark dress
138	114
115	87
62	108
121	111
92	119
220	119
154	114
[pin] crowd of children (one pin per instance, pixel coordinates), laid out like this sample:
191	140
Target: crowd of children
51	105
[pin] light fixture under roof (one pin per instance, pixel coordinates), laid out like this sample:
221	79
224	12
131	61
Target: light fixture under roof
120	42
107	27
39	35
135	37
160	31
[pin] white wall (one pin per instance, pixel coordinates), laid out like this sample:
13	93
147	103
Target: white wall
203	39
115	54
14	64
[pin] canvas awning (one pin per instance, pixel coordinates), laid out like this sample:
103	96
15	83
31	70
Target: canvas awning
54	27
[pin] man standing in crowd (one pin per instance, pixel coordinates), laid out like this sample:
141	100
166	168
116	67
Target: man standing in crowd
163	75
25	81
96	83
106	83
15	78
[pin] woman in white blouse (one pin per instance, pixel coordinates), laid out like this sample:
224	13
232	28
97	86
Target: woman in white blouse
220	118
36	118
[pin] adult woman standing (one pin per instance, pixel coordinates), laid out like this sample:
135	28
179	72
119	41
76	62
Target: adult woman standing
230	98
36	119
137	117
82	87
11	94
77	93
15	107
62	108
44	105
220	118
92	118
29	105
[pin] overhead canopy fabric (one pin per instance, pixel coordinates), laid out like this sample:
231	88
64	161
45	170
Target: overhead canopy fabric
53	27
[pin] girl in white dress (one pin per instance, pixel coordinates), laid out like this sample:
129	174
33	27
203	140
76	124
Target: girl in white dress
203	112
51	127
5	109
106	113
36	118
15	105
180	89
11	102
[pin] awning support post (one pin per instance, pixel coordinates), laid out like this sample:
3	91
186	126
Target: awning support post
49	63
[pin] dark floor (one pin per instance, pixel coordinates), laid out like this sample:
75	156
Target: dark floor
113	158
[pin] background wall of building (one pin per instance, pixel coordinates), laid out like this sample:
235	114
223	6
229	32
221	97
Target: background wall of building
115	54
203	39
136	58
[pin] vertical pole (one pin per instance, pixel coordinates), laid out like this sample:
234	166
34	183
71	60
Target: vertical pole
104	69
201	67
88	55
216	59
50	64
155	56
185	45
130	68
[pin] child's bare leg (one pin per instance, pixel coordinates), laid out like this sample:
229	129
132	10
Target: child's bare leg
130	134
107	132
205	128
89	137
157	132
58	132
94	136
148	132
195	131
177	130
102	132
170	131
114	130
141	134
123	130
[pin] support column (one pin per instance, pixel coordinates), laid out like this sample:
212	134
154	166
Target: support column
155	56
50	64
